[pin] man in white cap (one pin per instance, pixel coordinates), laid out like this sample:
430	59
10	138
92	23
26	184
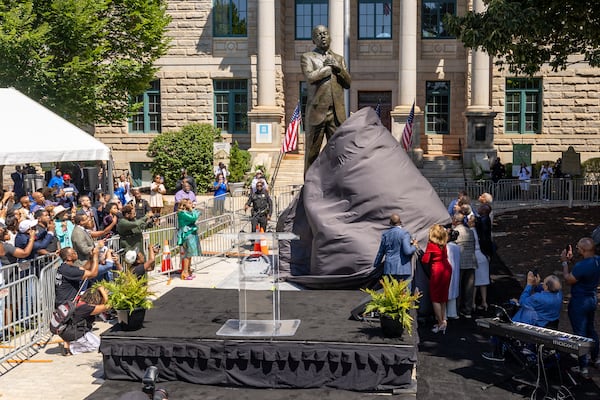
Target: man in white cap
41	241
138	264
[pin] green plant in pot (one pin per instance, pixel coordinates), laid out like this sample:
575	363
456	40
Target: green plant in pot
393	304
130	297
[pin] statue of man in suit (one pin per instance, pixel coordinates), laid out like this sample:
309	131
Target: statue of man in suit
327	77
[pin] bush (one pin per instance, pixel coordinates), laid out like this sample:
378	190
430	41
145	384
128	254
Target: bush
239	163
190	148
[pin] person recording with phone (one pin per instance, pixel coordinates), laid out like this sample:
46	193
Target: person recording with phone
540	301
583	278
539	305
139	265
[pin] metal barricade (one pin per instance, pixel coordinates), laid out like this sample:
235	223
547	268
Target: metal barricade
512	193
217	239
25	307
22	314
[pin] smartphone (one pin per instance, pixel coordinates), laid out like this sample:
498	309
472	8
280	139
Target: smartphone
120	251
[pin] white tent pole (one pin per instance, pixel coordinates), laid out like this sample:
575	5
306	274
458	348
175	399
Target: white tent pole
109	171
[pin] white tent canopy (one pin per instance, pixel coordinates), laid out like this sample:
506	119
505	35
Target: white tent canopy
33	134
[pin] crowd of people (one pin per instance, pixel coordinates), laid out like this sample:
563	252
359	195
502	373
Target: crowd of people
64	219
456	258
457	263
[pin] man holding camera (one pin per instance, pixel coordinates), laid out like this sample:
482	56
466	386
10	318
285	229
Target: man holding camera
583	278
130	229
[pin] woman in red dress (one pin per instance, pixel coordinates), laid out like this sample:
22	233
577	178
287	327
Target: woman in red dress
441	272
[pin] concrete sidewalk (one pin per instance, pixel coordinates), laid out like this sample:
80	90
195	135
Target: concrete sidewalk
50	376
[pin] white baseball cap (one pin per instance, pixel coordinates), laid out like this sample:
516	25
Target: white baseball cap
131	256
27	224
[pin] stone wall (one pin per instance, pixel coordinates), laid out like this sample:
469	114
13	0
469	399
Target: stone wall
571	114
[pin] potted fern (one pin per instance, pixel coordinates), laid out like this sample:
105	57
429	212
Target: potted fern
129	296
393	304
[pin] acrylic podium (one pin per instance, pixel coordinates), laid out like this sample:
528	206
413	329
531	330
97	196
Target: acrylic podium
260	310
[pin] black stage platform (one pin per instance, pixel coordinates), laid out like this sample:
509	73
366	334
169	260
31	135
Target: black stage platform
328	350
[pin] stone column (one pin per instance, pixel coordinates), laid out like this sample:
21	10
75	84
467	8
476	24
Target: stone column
265	118
336	25
479	114
407	78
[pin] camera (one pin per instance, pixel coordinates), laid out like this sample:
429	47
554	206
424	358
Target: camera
535	272
149	385
453	235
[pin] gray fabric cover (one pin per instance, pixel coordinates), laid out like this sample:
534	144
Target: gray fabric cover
360	178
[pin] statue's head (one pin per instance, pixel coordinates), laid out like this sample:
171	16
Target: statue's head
320	37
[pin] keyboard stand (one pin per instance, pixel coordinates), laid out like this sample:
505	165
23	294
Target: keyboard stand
527	363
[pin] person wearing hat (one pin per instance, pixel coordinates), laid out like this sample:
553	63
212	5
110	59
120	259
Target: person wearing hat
138	263
259	177
41	238
68	194
63	226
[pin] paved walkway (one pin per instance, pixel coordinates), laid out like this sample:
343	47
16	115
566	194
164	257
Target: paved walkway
50	376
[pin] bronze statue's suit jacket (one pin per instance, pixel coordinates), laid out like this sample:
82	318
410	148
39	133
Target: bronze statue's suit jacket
324	90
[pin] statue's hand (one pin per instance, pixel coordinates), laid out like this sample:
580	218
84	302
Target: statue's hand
331	62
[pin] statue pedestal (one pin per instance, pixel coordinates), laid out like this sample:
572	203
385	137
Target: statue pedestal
480	138
259	313
265	133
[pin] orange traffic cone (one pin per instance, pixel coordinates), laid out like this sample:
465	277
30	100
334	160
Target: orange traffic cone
264	248
256	249
165	264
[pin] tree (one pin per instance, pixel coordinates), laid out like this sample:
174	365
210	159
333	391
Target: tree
526	34
190	148
82	58
239	163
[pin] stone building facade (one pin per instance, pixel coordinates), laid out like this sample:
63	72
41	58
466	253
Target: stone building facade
248	81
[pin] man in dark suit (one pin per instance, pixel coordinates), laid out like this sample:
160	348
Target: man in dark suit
19	183
397	247
87	209
327	78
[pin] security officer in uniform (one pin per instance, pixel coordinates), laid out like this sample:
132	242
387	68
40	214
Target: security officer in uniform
261	204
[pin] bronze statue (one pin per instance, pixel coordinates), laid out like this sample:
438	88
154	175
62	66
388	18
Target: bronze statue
327	77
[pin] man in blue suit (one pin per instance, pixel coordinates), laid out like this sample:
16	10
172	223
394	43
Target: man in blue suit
398	248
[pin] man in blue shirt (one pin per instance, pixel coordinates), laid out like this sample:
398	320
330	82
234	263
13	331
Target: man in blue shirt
398	248
539	305
584	280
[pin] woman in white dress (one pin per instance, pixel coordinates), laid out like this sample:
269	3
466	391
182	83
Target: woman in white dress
482	273
157	189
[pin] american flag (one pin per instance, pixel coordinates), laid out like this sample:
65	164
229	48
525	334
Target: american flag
408	129
387	9
378	109
290	142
